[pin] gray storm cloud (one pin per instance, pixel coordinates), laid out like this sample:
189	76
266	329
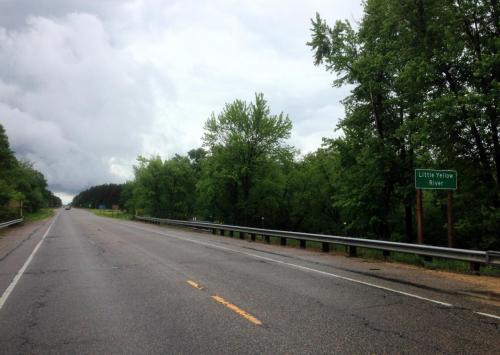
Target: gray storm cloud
72	102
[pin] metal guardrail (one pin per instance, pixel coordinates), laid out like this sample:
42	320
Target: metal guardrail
10	223
476	257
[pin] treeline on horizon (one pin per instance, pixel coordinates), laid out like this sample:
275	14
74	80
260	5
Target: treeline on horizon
425	79
21	183
105	196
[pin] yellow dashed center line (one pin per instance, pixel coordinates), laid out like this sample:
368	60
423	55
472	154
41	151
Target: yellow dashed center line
238	310
194	284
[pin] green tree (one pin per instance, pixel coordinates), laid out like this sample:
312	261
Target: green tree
20	182
310	194
245	145
95	196
32	186
377	124
8	163
425	93
164	188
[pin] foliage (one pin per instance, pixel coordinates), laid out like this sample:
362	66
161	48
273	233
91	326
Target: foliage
95	196
21	183
426	89
241	177
165	188
117	214
39	215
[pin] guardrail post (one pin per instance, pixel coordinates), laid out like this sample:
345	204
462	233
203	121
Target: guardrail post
221	232
386	254
282	240
302	243
352	251
242	235
267	239
231	233
214	231
325	247
475	267
253	237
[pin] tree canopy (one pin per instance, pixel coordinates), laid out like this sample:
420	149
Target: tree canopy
21	183
425	78
106	195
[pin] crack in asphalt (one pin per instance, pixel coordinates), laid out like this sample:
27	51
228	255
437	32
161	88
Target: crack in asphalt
32	322
20	244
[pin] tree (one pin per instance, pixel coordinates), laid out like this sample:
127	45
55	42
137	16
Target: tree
245	144
95	196
164	188
8	163
377	124
425	77
20	183
308	204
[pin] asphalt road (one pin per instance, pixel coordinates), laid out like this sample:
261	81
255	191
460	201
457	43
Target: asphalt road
87	284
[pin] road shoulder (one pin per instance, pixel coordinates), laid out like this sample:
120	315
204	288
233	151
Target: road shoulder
16	244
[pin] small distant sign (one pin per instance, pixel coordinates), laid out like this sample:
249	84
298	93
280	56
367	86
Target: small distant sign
102	206
435	179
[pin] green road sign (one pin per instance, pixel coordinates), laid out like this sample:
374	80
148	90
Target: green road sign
435	179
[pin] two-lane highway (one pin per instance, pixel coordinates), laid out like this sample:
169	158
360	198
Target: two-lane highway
97	285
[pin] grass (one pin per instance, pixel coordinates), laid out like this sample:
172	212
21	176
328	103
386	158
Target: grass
112	214
41	214
412	259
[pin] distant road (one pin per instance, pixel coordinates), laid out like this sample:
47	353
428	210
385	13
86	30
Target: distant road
86	284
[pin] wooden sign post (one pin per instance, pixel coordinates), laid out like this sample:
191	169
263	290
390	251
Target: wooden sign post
450	219
428	179
420	213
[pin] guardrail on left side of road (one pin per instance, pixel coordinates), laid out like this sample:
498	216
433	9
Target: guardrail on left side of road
10	223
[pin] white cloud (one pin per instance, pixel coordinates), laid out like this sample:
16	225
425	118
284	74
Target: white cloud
72	102
85	87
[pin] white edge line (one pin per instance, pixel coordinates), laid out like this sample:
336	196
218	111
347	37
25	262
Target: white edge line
488	315
302	268
21	271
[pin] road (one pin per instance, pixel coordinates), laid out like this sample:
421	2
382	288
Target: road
93	285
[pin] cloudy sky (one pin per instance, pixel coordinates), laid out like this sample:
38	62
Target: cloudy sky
87	86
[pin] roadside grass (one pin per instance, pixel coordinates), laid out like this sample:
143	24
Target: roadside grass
41	214
112	214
